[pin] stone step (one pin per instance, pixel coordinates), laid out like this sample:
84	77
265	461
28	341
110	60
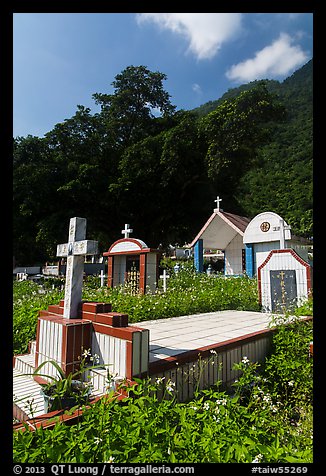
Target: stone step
25	364
27	395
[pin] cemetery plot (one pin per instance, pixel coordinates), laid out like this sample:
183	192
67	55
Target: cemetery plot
132	263
172	348
284	281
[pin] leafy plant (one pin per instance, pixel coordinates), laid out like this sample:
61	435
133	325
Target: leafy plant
68	390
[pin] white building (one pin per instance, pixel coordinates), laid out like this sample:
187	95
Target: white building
246	243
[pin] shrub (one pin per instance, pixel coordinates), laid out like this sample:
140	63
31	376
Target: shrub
27	301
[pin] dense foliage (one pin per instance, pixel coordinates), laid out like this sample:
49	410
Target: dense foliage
267	417
125	164
187	293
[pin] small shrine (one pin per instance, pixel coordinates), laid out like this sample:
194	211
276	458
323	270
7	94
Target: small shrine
132	263
222	231
268	231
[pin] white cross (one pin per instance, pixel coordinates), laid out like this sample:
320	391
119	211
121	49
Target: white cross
164	276
127	230
283	228
102	276
218	200
75	251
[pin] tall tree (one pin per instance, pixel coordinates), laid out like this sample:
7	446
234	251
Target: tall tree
129	112
163	182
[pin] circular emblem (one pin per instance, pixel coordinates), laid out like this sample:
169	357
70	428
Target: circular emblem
265	226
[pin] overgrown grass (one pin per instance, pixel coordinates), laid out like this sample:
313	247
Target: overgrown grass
187	293
27	301
267	418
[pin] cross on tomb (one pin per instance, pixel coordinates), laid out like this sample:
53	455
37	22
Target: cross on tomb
127	230
218	200
282	228
75	251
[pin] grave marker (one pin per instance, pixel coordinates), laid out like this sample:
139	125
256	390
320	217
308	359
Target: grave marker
284	281
75	251
132	263
164	276
102	276
283	289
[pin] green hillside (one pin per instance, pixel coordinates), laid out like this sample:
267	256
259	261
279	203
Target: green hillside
282	179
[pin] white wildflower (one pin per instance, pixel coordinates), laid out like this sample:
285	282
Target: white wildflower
170	386
86	353
245	360
291	383
206	406
97	440
221	402
258	458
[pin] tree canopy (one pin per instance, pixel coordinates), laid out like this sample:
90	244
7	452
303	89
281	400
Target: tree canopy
139	161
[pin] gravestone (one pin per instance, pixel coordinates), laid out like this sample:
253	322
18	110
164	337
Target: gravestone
131	262
284	281
283	289
75	251
268	231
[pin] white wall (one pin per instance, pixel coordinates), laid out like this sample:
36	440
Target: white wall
119	269
233	256
111	351
50	346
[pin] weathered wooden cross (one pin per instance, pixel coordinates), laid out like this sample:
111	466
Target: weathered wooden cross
127	230
75	251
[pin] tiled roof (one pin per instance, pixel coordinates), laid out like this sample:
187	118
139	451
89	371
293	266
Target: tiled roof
240	222
234	222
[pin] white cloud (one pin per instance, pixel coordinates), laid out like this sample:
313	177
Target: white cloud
276	60
205	32
196	88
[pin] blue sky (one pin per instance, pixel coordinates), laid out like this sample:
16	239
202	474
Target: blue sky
61	59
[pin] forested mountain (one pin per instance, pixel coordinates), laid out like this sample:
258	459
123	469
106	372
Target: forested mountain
282	178
253	147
